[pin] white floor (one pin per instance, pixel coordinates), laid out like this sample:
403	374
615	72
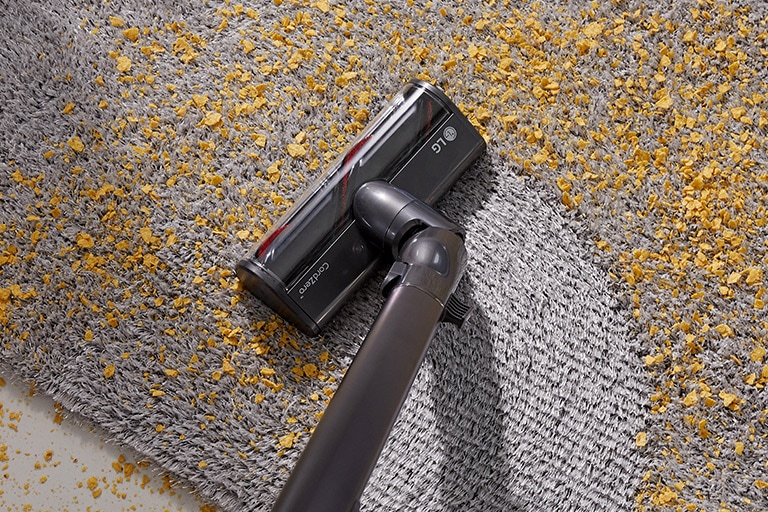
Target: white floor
50	463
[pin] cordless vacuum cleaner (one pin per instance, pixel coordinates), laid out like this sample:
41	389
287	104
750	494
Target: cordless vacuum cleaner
373	202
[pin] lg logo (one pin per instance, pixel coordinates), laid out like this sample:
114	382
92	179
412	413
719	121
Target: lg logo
449	135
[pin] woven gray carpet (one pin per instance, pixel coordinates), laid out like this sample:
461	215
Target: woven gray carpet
616	232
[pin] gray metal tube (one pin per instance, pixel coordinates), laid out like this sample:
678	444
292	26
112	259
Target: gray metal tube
338	460
341	454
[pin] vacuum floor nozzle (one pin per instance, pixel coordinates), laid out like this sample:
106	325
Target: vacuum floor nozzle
309	263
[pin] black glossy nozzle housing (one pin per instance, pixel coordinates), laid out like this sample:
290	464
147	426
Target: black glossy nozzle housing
308	264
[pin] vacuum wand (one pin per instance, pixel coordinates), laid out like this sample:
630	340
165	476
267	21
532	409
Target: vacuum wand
430	258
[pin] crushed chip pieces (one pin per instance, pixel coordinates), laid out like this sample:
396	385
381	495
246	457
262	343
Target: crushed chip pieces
212	119
76	144
131	34
85	241
124	64
296	150
287	440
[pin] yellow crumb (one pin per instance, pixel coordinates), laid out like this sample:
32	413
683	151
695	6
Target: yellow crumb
131	34
109	371
664	102
212	119
84	240
724	330
691	399
124	64
76	144
287	440
296	150
310	370
199	100
730	400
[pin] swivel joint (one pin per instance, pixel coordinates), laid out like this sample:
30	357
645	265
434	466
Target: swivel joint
428	248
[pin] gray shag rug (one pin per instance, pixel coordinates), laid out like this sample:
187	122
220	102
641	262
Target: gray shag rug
616	232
